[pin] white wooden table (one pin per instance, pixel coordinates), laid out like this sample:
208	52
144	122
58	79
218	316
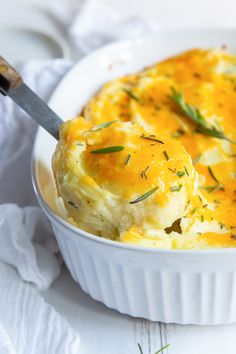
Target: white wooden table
105	331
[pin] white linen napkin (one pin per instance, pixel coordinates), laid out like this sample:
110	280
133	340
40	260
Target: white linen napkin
28	325
26	240
26	243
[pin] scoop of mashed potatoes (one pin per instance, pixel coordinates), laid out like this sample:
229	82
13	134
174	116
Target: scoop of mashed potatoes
115	176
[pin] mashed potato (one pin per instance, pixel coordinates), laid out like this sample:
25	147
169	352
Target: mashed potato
115	175
145	188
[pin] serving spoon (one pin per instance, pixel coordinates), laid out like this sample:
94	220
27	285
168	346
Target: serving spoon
13	86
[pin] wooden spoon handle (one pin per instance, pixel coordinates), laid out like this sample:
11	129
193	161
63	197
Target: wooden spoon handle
9	77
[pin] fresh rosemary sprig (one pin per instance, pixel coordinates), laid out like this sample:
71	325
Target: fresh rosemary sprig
109	149
131	95
187	109
195	115
102	125
144	196
152	139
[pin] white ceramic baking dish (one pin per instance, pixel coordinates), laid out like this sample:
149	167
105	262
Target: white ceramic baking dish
181	286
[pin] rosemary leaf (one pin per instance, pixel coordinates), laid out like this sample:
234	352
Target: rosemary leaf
176	188
213	132
152	139
185	169
211	189
166	155
143	173
180	173
144	196
109	149
187	109
212	175
131	95
171	169
127	159
102	125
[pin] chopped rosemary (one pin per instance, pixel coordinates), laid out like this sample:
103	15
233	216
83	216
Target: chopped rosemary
127	159
195	115
202	218
166	155
131	95
176	188
152	139
143	173
180	173
212	175
144	196
79	144
109	149
205	205
185	169
102	125
171	169
211	189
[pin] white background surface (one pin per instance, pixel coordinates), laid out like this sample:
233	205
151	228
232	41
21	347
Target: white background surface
105	331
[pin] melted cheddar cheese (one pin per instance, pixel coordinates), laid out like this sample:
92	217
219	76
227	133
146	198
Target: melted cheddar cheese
202	213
